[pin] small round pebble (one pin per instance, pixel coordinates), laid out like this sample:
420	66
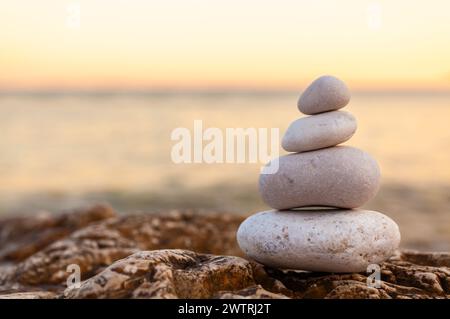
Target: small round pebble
329	241
326	93
319	131
339	176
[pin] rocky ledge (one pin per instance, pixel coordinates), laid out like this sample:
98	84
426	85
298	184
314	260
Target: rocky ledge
179	254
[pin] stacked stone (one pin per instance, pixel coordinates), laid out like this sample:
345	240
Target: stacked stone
315	192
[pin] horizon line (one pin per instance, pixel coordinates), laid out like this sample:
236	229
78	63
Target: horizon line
197	91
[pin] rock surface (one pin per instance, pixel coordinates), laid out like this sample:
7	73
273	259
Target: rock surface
327	93
319	131
167	274
98	245
20	237
340	176
319	240
133	250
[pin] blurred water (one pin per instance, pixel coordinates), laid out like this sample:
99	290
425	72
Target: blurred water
96	143
60	152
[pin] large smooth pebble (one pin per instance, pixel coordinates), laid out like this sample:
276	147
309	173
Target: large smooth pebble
326	93
340	176
319	131
331	241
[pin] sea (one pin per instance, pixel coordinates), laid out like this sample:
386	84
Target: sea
120	142
63	150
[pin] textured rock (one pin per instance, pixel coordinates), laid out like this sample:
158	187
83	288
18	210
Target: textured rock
157	273
184	274
327	93
319	131
30	295
21	237
331	241
252	292
340	176
167	274
98	245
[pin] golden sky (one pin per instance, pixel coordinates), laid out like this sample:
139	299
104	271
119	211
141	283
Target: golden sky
392	44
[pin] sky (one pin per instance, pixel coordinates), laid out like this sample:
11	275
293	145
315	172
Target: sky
251	44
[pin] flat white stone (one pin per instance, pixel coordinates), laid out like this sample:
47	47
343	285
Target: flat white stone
340	176
330	241
326	93
319	131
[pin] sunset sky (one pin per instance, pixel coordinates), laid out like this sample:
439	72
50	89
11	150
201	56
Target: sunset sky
280	44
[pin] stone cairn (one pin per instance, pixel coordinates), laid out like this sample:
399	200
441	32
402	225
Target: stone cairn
315	192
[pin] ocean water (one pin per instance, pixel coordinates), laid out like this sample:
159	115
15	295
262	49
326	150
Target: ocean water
94	143
61	151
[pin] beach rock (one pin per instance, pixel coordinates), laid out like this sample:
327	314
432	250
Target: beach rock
22	236
407	274
185	274
252	292
329	241
97	246
340	176
174	274
327	93
319	131
30	295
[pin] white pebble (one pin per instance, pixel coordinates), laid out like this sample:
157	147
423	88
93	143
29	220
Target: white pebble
339	176
319	131
326	93
330	241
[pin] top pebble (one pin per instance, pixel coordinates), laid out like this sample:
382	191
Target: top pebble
326	93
